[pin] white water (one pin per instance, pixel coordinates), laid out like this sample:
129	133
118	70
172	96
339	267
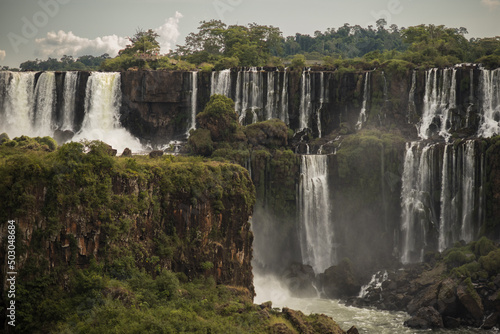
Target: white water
102	106
45	98
375	283
305	100
70	82
18	104
362	113
468	186
194	97
221	83
271	101
321	101
490	103
284	100
316	228
412	108
439	99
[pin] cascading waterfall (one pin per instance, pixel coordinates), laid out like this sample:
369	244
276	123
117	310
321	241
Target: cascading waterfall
471	98
284	100
271	102
194	97
321	101
45	98
490	103
362	113
102	106
468	189
18	104
70	82
305	99
221	83
251	99
439	99
316	228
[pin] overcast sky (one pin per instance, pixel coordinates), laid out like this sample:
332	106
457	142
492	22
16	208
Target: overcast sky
53	28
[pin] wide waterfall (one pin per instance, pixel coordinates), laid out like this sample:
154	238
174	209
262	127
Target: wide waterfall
454	174
45	98
316	227
221	83
490	103
102	118
439	100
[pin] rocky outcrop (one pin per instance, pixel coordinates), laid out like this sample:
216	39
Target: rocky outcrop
339	281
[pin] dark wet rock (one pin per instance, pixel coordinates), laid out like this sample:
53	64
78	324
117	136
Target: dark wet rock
62	137
155	154
299	278
491	321
471	301
339	281
353	330
127	152
425	318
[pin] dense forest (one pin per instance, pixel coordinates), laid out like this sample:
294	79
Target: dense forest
219	46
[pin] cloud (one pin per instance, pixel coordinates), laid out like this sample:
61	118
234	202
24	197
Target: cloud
491	3
169	32
58	44
2	55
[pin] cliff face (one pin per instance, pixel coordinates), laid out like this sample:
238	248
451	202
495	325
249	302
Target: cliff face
186	216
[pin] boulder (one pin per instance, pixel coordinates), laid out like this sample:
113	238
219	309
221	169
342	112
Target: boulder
425	318
339	281
62	137
427	297
447	302
155	154
127	152
471	301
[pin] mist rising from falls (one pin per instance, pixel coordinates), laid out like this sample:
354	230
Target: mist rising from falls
102	117
316	228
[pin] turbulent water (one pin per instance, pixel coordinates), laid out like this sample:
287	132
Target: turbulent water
366	320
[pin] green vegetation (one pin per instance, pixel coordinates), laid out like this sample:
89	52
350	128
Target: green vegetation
66	63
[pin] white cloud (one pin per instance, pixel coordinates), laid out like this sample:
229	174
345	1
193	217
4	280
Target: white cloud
169	32
491	3
2	55
62	43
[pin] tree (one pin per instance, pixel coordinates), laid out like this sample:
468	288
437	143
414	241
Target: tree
143	42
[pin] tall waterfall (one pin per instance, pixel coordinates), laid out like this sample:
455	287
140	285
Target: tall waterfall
362	113
490	103
194	97
439	100
221	83
455	176
70	82
252	89
316	228
18	102
412	108
271	93
102	118
284	100
305	99
45	98
321	101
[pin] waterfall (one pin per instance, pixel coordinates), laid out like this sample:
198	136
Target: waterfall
102	106
468	189
271	102
69	95
221	83
362	113
284	100
45	98
321	101
305	100
439	99
490	103
194	97
471	98
316	228
18	104
412	108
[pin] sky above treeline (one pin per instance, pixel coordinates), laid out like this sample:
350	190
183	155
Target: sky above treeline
32	29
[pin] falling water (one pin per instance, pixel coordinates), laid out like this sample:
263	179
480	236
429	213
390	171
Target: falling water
362	113
271	102
284	100
251	85
102	106
45	98
221	83
439	99
490	103
194	97
316	229
69	95
305	99
321	101
412	108
471	98
18	104
468	189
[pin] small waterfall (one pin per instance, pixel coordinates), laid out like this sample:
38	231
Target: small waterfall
471	98
446	232
305	100
316	228
45	98
102	106
490	103
362	113
221	83
375	283
321	101
439	99
412	108
284	100
69	95
194	97
251	85
271	102
18	104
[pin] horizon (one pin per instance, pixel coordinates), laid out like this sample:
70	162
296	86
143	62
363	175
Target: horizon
53	28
